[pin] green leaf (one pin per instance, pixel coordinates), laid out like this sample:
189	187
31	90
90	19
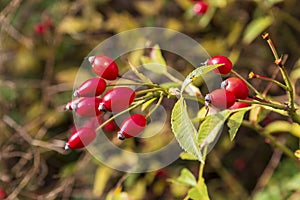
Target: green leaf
256	27
234	122
187	156
283	126
140	75
186	178
211	127
199	71
199	192
155	63
184	130
157	57
101	178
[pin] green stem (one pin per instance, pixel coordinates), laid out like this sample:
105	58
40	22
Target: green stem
129	84
271	80
148	90
290	90
248	84
172	78
119	114
201	167
276	106
156	106
257	128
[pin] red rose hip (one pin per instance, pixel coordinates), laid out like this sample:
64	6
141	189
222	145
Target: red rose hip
3	194
238	105
91	87
220	98
80	138
104	67
88	107
237	86
225	68
200	8
117	99
132	126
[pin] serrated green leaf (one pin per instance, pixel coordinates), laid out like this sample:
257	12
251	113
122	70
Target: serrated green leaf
211	127
186	178
187	156
256	27
195	194
234	122
199	71
184	130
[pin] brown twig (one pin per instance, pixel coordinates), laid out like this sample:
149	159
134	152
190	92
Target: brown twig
267	173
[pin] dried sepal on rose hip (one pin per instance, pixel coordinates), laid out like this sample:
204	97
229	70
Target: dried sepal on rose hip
104	67
90	88
80	138
132	126
237	86
220	98
117	99
223	69
72	104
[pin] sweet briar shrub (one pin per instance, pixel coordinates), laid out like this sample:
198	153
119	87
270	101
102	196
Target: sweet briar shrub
234	104
44	41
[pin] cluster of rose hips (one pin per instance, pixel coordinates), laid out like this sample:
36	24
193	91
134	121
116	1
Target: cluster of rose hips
42	27
200	7
91	103
231	89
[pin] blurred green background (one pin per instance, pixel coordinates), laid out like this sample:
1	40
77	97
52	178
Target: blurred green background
43	43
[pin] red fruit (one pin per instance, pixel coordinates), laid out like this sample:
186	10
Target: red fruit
200	8
237	86
238	105
117	99
72	104
104	67
225	68
132	126
220	98
109	127
90	88
88	107
40	29
80	138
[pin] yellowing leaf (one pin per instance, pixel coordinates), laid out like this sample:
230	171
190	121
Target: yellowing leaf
102	176
256	27
149	7
72	25
120	22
